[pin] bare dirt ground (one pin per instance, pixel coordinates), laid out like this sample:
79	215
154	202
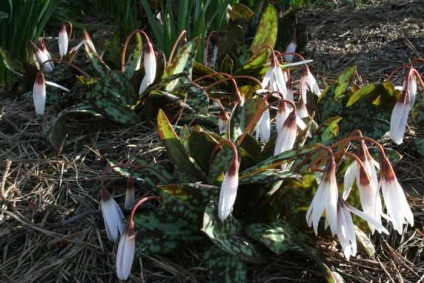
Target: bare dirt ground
51	229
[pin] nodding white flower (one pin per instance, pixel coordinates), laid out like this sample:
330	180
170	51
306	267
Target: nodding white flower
223	121
397	206
39	94
42	57
126	252
88	40
325	199
149	67
286	134
112	215
291	48
275	79
367	183
399	117
308	82
302	111
412	87
214	56
346	230
228	193
49	65
63	41
263	127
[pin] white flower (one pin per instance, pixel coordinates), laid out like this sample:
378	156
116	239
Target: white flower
87	39
263	127
286	134
126	252
325	199
399	117
308	82
149	67
291	48
228	193
397	206
112	216
346	229
63	41
276	80
39	94
222	121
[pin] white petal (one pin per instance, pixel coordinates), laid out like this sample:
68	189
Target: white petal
39	94
398	122
63	41
228	194
349	178
125	256
112	216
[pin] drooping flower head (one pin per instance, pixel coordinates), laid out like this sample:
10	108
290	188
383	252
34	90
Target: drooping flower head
39	94
149	66
126	252
63	39
112	215
308	83
42	57
397	206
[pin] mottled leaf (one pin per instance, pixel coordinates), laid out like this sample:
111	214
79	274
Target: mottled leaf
176	150
344	81
228	236
267	176
134	56
383	94
223	267
327	131
364	241
266	34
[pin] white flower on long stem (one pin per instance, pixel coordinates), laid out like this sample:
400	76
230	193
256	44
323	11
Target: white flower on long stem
223	121
112	215
286	134
346	230
39	94
42	57
399	117
397	206
367	183
275	80
63	41
126	252
263	127
149	67
325	199
229	186
308	82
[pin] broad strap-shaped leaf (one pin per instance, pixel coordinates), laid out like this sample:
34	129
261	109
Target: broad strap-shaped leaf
134	57
331	276
344	81
146	173
98	64
267	176
228	236
113	95
14	65
219	165
223	267
364	241
182	63
382	94
176	150
266	34
327	131
194	96
201	144
57	131
279	236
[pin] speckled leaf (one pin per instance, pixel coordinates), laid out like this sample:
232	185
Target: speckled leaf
344	81
219	165
224	268
57	129
176	150
383	94
96	61
134	56
13	65
237	122
228	236
240	11
148	174
275	162
112	95
183	62
267	176
201	144
266	34
327	131
364	241
194	96
278	236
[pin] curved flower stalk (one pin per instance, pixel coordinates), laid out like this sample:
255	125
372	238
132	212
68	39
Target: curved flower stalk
346	230
397	206
325	199
126	247
229	186
39	94
112	215
149	66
